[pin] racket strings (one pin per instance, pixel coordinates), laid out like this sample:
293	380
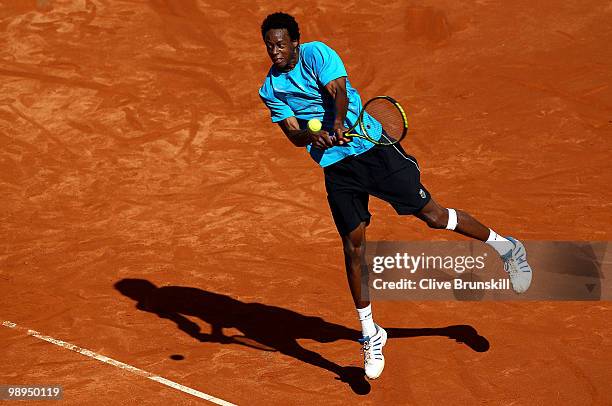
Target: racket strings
387	121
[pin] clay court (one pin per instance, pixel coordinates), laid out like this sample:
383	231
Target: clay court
148	201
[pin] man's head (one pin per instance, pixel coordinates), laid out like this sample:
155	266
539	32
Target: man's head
136	289
281	35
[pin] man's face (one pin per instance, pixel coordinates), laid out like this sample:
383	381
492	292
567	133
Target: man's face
281	49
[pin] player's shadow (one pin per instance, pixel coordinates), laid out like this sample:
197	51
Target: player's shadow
268	328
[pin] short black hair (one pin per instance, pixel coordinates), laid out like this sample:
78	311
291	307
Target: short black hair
281	20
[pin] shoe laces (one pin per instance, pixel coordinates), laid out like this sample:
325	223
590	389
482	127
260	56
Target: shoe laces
366	349
513	263
511	267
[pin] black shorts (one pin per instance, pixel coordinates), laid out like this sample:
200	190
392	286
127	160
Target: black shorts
385	172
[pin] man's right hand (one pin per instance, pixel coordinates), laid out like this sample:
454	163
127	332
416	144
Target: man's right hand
323	139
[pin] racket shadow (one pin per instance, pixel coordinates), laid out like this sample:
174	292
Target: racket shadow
264	327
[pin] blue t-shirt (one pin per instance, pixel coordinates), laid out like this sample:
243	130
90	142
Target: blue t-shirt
301	93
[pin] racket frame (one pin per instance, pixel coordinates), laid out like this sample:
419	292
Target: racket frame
359	123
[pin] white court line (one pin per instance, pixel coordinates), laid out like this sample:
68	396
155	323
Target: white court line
119	364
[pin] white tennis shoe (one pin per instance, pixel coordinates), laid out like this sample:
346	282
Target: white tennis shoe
373	358
515	264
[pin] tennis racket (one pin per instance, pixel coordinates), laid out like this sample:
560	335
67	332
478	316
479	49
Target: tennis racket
382	121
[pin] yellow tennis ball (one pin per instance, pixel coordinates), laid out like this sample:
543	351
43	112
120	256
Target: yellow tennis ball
314	125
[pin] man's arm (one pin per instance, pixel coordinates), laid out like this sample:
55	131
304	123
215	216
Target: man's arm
337	90
322	139
301	138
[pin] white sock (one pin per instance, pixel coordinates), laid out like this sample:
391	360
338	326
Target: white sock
500	244
367	322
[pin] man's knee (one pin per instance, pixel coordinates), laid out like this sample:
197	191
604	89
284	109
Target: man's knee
354	251
442	219
354	242
436	221
438	217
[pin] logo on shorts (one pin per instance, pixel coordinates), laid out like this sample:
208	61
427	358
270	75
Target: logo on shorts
422	193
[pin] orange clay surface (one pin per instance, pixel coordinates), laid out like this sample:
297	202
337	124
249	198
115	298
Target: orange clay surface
134	148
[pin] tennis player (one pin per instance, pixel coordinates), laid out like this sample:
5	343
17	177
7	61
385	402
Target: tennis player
308	81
